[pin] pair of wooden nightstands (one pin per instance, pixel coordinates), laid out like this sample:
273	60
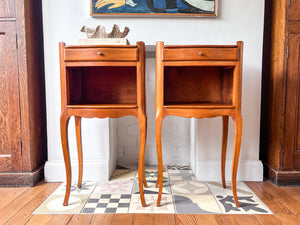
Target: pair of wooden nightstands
191	81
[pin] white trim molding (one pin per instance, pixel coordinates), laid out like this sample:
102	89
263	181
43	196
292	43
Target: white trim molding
248	170
92	171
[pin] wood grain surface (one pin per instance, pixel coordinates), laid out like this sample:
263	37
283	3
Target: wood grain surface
10	130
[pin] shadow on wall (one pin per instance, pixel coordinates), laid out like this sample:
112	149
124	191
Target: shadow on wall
175	141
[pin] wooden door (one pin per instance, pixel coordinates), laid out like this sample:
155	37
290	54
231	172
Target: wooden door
10	138
292	121
294	9
7	9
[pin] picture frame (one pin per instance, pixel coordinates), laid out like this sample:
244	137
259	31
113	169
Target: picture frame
168	8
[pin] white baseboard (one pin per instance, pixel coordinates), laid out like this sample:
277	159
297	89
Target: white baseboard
248	170
92	171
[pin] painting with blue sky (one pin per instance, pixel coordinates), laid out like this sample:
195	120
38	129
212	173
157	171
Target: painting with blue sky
153	7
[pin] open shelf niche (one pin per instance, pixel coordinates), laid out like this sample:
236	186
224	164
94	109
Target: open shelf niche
198	86
102	85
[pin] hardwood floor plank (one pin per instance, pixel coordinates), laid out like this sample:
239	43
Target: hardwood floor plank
227	219
102	219
122	219
143	219
268	220
293	191
10	194
246	219
204	219
39	219
24	214
13	207
81	219
268	199
185	219
165	219
237	219
287	200
59	219
288	219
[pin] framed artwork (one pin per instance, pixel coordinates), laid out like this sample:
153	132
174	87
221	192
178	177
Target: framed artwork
153	7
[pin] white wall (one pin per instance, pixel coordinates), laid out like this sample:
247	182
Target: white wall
241	20
175	132
236	20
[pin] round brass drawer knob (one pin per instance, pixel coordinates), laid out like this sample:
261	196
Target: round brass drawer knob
201	53
99	53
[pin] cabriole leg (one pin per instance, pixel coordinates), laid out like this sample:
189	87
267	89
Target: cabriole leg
64	121
236	152
79	148
224	147
142	180
159	182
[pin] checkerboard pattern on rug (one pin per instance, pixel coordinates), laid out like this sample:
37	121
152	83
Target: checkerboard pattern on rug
182	193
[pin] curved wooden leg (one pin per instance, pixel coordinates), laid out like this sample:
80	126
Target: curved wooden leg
224	147
144	177
156	185
236	152
64	121
159	182
142	180
79	148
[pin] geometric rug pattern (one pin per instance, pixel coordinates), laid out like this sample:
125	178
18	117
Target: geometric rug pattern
182	193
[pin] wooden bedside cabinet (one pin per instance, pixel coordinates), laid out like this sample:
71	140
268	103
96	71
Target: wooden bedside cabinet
200	81
102	81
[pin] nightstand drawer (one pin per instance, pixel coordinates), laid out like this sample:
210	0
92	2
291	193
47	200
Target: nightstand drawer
101	54
186	54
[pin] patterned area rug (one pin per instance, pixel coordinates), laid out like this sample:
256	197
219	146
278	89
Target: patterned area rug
182	193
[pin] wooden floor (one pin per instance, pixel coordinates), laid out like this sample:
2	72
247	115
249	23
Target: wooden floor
17	205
